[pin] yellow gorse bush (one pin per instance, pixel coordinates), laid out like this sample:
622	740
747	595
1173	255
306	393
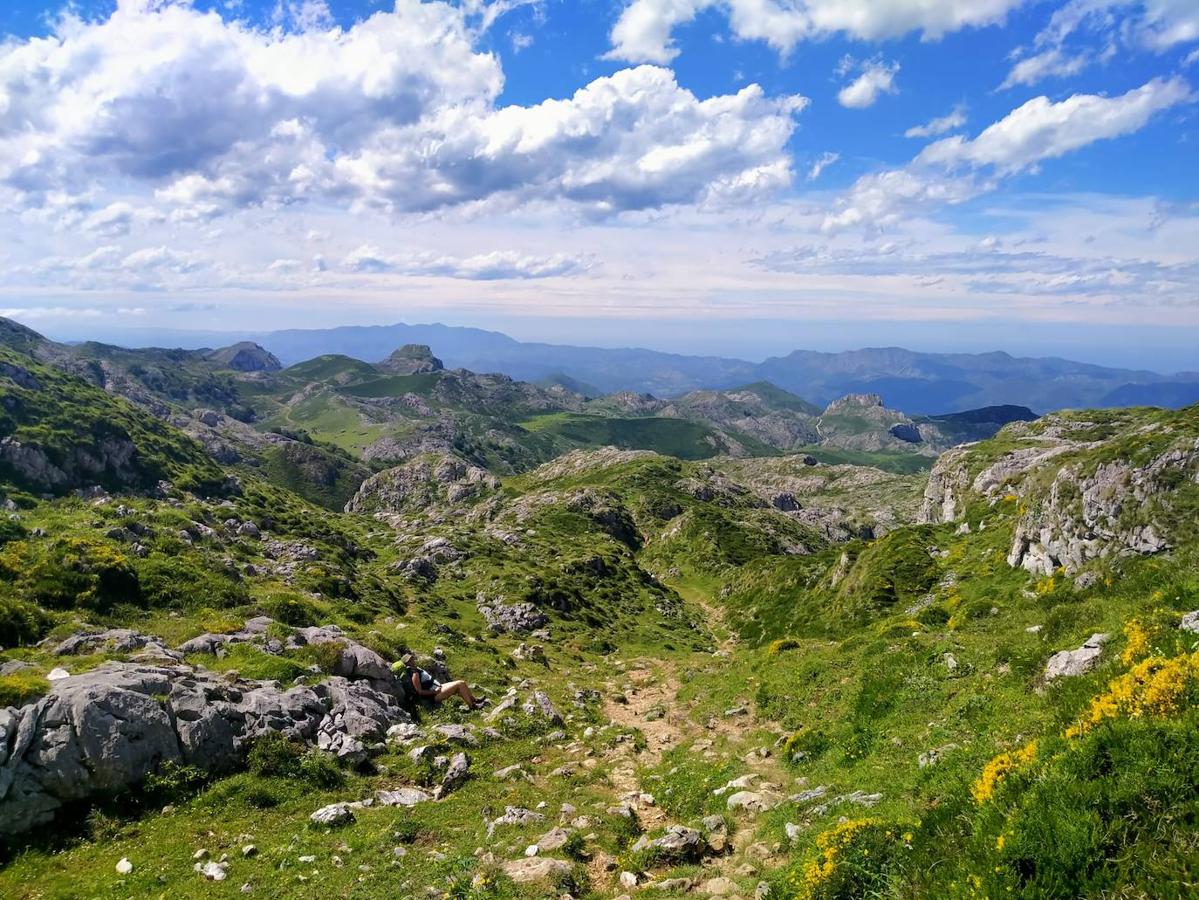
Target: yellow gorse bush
1137	645
1156	686
999	768
833	846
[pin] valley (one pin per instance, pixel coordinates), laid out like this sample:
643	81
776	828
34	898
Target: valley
735	644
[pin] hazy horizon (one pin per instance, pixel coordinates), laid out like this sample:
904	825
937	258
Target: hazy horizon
708	176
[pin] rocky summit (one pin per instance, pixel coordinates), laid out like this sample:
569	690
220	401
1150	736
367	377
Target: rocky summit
727	643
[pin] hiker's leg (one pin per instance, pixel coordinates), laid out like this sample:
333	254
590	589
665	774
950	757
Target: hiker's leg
456	689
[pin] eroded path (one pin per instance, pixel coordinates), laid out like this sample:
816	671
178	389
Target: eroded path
644	694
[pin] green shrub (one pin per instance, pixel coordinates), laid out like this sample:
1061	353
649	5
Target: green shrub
20	622
179	580
172	781
291	609
853	859
274	755
22	687
72	573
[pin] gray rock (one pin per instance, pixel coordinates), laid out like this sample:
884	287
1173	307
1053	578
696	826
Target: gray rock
1190	622
403	797
1071	663
537	869
678	844
456	734
515	815
105	730
333	815
539	704
751	801
455	775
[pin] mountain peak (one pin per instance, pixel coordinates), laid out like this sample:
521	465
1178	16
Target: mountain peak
413	359
246	356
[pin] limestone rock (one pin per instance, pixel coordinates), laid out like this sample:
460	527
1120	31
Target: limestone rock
1071	663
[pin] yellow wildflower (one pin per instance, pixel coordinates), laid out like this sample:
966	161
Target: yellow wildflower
999	768
1153	687
1138	642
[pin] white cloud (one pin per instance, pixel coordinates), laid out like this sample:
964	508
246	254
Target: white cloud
1154	25
1050	63
494	266
644	31
955	169
396	111
953	120
826	159
1042	129
877	78
1191	58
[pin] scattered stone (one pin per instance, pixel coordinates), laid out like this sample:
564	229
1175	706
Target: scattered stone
457	734
719	887
124	866
750	801
455	775
678	844
58	674
333	815
213	871
249	850
511	772
792	830
628	879
1190	622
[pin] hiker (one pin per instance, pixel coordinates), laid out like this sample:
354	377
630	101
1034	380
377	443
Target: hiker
422	684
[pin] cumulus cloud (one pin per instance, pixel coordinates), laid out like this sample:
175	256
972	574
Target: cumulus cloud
955	169
876	78
644	31
397	111
953	120
494	266
1050	63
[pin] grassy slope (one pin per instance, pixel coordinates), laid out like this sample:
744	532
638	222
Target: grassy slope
840	650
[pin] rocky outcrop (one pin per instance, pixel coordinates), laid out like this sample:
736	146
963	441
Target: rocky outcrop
108	729
246	356
431	479
412	359
1120	508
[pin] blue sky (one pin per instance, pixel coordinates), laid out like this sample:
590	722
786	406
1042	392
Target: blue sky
824	173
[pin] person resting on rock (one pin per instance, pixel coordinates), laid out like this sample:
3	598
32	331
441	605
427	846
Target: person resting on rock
422	684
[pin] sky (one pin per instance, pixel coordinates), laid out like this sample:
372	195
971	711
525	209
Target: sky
738	176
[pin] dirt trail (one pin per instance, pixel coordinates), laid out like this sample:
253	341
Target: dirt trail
649	689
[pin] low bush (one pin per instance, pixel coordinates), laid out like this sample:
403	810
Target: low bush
20	688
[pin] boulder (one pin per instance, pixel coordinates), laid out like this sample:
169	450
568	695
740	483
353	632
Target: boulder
1071	663
455	774
106	730
406	796
333	815
677	845
535	869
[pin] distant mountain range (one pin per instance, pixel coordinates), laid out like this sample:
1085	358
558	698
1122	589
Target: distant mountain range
916	383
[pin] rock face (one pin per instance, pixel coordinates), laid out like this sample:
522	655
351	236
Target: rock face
1082	499
1071	663
1119	508
108	729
